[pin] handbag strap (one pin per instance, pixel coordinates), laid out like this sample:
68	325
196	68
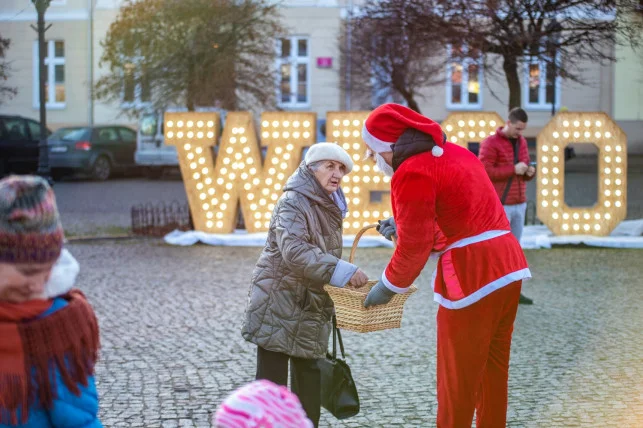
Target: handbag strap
511	179
337	336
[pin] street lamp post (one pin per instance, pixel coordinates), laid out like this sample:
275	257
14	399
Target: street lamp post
43	156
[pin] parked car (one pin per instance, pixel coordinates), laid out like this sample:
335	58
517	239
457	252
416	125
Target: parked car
151	151
19	140
98	151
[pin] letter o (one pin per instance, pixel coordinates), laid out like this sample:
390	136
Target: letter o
582	128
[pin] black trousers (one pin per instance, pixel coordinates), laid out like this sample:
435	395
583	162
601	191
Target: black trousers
305	378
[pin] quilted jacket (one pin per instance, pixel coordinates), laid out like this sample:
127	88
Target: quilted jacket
497	156
288	310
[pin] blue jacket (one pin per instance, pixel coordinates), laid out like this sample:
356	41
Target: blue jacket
68	410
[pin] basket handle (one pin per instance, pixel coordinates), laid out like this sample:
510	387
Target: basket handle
359	235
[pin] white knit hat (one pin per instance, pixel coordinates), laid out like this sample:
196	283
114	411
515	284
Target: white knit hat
329	151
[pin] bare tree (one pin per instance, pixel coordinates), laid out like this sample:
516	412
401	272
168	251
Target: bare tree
6	92
193	53
557	33
388	54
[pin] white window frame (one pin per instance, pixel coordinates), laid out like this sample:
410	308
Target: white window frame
58	3
465	82
50	65
294	60
542	104
137	102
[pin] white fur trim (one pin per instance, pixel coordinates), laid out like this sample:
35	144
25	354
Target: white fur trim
390	286
487	289
484	236
437	151
377	145
63	275
484	291
329	151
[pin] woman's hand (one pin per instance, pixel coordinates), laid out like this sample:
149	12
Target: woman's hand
359	279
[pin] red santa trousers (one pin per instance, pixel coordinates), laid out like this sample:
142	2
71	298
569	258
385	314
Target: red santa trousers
473	360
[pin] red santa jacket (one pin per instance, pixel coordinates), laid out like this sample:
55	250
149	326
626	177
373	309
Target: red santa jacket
478	254
497	156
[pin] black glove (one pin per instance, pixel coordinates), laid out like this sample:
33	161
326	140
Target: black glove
387	228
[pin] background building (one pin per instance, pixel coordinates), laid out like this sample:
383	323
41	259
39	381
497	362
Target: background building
309	71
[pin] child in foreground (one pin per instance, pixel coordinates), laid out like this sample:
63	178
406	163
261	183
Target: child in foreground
49	332
261	404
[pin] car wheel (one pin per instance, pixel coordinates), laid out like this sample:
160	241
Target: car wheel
102	169
153	172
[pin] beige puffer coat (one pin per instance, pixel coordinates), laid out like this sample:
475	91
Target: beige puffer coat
288	310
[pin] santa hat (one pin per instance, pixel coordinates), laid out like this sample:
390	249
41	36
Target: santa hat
329	151
261	404
388	122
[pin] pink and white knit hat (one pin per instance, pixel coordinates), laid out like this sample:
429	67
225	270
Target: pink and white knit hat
261	404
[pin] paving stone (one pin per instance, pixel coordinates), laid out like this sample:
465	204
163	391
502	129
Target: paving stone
170	322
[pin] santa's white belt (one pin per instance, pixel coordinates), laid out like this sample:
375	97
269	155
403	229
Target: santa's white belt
452	283
484	236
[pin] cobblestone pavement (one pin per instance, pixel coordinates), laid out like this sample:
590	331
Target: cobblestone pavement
91	208
170	320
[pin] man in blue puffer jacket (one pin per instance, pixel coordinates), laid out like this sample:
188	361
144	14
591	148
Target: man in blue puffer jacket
49	346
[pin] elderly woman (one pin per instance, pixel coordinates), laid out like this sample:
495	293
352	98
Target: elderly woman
288	314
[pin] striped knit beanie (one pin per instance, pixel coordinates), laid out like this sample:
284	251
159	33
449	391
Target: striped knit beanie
261	404
30	228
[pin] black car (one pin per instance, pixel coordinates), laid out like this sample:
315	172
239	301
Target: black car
97	150
19	139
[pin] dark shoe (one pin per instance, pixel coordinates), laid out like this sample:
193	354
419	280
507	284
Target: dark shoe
525	300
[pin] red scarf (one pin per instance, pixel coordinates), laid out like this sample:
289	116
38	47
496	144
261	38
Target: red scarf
66	341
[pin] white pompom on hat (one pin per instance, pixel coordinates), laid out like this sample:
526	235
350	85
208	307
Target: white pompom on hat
387	123
329	151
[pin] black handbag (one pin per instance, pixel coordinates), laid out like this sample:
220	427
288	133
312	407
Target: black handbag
338	390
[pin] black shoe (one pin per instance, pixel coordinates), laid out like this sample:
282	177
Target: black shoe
525	300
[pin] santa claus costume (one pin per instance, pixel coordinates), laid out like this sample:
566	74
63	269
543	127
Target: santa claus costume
444	202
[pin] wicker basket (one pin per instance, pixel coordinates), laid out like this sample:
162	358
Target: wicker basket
349	304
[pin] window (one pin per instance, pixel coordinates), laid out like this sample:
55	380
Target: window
55	69
71	134
16	129
136	86
541	86
107	135
293	63
464	78
127	135
34	129
148	125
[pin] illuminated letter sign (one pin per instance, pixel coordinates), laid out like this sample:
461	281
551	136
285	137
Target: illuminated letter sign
345	128
465	127
582	128
194	135
214	189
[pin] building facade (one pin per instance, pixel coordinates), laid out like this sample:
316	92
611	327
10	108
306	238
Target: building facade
628	90
309	75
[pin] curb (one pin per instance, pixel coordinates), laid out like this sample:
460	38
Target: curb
108	238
